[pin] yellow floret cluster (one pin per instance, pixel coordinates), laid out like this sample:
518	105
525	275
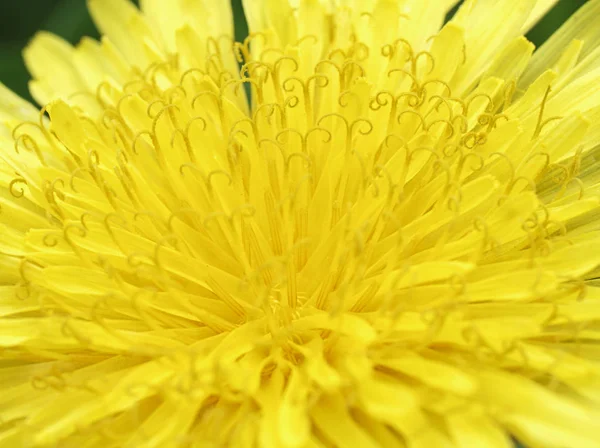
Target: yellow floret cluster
360	227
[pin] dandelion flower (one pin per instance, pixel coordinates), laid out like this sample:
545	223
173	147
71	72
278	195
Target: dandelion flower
359	227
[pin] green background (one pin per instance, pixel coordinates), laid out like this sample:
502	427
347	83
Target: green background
19	20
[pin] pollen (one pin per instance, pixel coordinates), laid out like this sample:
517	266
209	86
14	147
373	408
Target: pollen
358	227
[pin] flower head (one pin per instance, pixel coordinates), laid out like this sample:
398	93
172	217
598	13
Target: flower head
392	243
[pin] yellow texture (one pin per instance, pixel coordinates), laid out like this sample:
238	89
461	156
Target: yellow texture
393	242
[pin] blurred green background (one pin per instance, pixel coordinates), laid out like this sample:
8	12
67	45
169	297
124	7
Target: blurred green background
70	19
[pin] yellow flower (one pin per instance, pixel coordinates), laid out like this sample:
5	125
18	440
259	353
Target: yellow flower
393	243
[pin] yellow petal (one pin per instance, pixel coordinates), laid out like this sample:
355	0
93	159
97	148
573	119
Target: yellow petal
546	419
582	25
50	60
331	416
118	19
